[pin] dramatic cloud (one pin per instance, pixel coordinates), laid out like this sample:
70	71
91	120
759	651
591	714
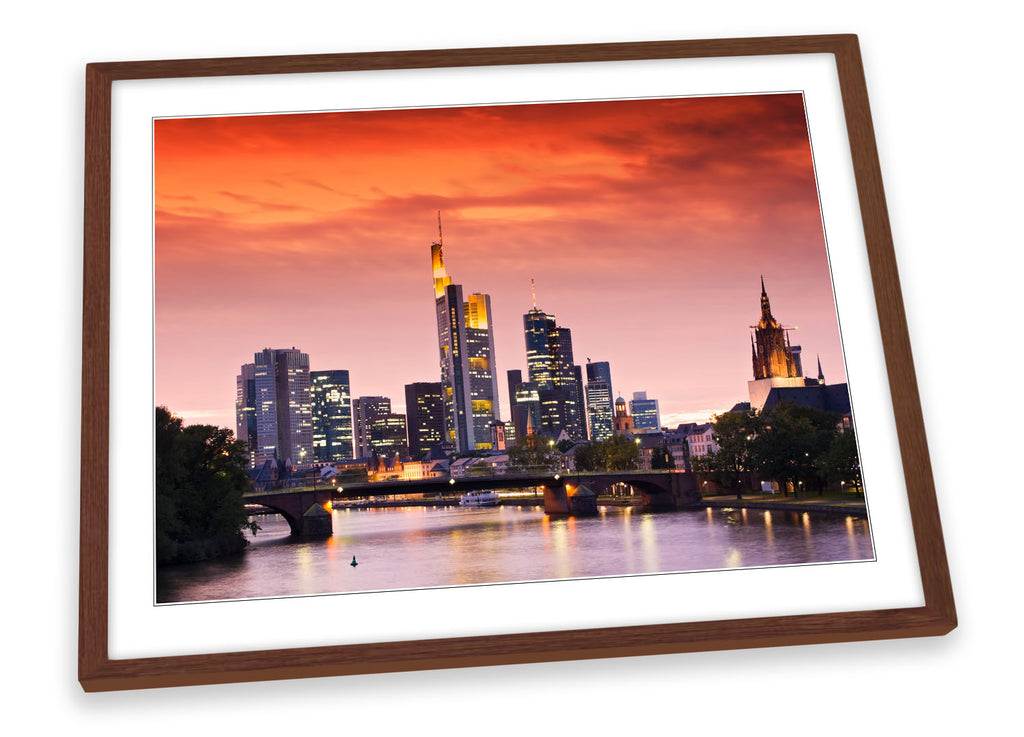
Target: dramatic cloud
646	225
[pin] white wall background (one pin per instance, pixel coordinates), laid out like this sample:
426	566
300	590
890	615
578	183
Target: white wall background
944	87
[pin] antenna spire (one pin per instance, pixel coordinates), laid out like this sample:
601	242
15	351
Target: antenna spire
533	291
439	238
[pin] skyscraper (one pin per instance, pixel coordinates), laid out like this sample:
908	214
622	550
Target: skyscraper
526	410
245	409
483	379
468	373
424	411
524	400
281	405
378	429
600	409
581	403
515	378
549	363
646	415
332	415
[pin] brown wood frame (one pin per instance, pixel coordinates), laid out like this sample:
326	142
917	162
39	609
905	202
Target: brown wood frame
97	672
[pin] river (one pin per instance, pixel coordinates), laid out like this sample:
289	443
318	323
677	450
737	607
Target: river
417	547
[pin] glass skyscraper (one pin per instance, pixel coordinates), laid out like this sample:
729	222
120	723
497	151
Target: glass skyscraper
646	415
332	415
549	363
465	337
280	405
245	409
600	407
424	412
378	429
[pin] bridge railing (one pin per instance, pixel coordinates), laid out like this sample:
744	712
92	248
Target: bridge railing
536	474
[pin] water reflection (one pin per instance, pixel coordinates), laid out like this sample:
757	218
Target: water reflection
418	547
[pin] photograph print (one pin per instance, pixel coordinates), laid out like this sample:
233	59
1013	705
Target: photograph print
461	346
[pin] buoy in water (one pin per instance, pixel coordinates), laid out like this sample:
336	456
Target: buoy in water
353	563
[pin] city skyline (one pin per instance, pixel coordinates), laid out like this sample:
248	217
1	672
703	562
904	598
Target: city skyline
646	226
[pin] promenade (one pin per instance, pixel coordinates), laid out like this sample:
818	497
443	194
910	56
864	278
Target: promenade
811	502
848	504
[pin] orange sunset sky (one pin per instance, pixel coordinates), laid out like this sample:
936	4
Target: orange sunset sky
646	225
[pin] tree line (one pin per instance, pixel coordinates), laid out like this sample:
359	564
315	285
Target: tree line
802	447
201	474
539	452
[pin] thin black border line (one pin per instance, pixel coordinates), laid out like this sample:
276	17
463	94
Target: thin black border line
398	109
401	108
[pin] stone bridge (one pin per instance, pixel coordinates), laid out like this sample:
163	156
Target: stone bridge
306	510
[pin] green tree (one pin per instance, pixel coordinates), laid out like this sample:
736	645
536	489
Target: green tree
662	459
733	433
534	453
840	463
621	453
590	456
617	453
200	477
790	442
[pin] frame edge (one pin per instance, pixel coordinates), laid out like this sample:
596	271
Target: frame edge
96	672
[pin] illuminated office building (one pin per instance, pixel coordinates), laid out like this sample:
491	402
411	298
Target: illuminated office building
378	429
549	363
526	410
646	415
465	337
332	415
424	412
274	392
600	409
245	409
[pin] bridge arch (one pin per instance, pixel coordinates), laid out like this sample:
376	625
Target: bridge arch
303	510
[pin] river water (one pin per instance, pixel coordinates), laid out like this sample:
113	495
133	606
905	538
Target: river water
417	547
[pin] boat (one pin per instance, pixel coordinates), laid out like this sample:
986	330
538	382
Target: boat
479	499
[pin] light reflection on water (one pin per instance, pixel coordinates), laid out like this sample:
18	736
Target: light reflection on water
416	547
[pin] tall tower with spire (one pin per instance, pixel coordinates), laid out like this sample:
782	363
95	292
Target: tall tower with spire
465	337
550	366
772	356
770	350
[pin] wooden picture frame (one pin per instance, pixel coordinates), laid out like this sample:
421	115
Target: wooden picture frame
99	672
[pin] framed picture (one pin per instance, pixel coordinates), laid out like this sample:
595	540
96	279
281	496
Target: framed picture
357	466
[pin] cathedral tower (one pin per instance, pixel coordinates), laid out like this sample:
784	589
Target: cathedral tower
770	350
772	356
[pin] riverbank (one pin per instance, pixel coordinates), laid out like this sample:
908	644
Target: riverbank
788	504
444	502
